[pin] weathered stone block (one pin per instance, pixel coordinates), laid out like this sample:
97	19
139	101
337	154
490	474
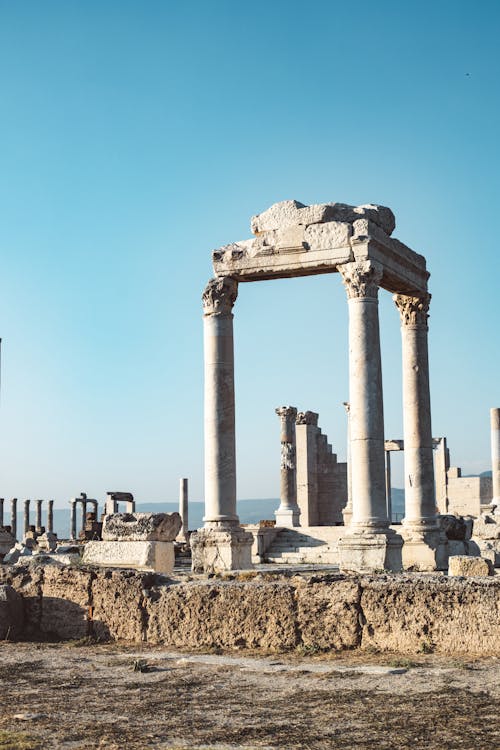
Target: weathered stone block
156	557
66	601
27	581
412	614
118	604
461	565
141	527
11	613
328	236
225	614
328	613
217	550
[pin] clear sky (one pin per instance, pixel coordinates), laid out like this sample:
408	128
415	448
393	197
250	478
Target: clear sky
138	135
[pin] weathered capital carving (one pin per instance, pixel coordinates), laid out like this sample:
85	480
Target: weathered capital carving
307	417
286	411
414	311
219	296
361	279
287	456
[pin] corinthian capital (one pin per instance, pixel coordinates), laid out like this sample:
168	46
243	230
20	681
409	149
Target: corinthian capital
414	311
219	296
307	417
286	411
361	279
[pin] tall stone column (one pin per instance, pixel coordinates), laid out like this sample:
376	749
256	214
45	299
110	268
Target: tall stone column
306	438
368	544
13	517
183	534
72	519
222	544
495	457
1	511
50	516
347	512
26	516
38	517
288	513
423	547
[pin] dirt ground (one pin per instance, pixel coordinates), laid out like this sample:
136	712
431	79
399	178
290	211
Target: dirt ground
74	696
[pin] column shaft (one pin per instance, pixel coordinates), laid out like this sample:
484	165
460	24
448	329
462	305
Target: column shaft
288	513
72	520
183	534
365	396
1	511
388	488
38	518
83	515
495	454
13	517
26	516
220	444
50	516
420	498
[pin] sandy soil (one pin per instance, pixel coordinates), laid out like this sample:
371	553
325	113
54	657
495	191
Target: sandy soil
74	696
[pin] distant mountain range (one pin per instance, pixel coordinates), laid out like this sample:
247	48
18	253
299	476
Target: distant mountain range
249	511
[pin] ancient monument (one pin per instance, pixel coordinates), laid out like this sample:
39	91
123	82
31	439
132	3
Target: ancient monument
292	239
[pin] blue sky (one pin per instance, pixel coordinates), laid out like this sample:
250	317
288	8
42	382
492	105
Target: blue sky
138	136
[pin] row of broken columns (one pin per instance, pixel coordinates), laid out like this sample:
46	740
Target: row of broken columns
38	517
366	439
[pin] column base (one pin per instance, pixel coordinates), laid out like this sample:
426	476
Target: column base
424	549
214	550
368	551
347	515
287	517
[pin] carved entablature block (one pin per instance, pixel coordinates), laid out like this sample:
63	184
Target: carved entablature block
307	417
361	279
219	296
414	311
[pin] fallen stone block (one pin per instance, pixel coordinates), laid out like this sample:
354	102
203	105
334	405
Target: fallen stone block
155	557
461	565
141	527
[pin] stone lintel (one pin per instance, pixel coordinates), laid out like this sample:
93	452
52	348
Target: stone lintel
404	271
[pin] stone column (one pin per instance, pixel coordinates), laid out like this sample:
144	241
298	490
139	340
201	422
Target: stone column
347	512
306	438
368	544
388	488
223	545
13	517
72	521
423	548
26	516
441	466
50	516
288	513
83	514
38	518
495	457
183	534
1	511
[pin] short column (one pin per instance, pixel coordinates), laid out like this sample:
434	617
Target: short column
368	544
83	515
423	548
13	517
38	516
222	544
183	534
288	513
1	511
26	516
72	519
495	457
347	512
50	516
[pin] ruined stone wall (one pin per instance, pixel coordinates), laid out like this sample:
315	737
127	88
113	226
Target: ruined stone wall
400	613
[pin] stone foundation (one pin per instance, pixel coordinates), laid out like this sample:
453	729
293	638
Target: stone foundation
407	614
